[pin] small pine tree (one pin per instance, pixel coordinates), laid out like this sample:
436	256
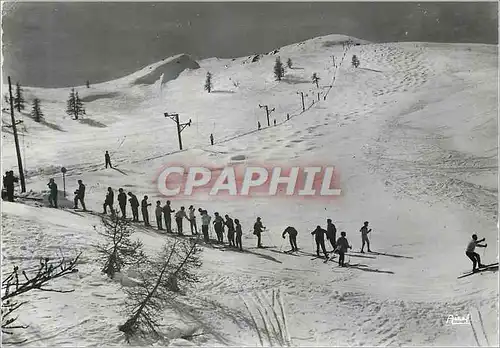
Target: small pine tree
279	70
208	82
315	79
36	112
355	61
289	63
79	108
19	99
74	105
71	104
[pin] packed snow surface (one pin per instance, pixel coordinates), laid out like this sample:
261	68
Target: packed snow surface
412	132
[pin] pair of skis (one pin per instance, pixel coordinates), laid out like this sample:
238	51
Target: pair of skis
489	267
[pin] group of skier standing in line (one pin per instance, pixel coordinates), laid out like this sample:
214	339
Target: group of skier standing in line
234	229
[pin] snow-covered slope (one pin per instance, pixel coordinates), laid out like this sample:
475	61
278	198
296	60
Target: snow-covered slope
413	132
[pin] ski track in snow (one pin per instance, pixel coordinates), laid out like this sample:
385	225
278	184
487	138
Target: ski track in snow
412	131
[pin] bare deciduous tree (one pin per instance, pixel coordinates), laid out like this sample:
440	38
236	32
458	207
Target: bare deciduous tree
161	281
19	282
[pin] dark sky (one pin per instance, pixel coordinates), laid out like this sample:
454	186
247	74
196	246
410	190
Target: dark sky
64	44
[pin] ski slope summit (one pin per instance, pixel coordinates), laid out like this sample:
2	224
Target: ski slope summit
412	132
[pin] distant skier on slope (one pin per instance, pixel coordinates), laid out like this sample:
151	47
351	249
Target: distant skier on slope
167	210
108	201
134	205
107	159
331	233
364	236
192	221
219	228
205	224
53	193
258	228
145	212
230	230
122	202
469	251
239	233
159	215
342	246
292	235
320	240
80	195
178	219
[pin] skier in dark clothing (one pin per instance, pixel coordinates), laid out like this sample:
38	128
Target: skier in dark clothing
8	182
258	228
158	214
122	202
230	230
331	233
108	202
192	221
342	246
219	228
320	240
167	210
145	212
211	139
134	205
476	260
80	195
364	236
178	219
107	159
53	193
239	233
292	235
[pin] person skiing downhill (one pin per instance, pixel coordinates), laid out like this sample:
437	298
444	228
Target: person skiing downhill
342	246
205	223
469	251
230	230
258	228
108	201
331	233
320	240
192	220
159	215
219	228
144	209
167	210
364	236
239	233
122	202
134	205
292	235
53	193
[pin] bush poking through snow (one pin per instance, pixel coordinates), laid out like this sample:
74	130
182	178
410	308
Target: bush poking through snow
17	283
118	250
289	63
208	82
36	112
279	70
161	281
